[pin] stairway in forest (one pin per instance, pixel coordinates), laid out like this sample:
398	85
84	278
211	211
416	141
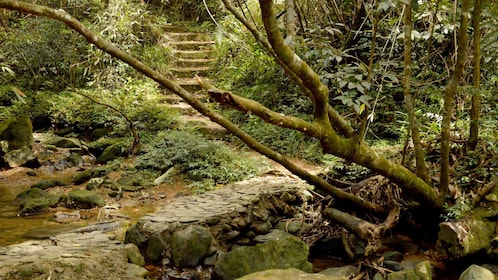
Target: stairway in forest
193	57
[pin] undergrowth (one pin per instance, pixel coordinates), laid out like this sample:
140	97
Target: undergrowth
204	162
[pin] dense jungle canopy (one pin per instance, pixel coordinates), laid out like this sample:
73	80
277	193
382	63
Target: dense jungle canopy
404	89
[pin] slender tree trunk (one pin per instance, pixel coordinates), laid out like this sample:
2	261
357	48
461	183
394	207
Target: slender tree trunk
422	171
290	21
449	95
475	110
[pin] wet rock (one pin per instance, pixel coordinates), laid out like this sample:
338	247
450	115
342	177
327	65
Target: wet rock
340	272
85	199
476	272
34	206
286	252
46	232
288	274
20	157
50	183
66	217
274	234
30	194
17	131
190	245
86	175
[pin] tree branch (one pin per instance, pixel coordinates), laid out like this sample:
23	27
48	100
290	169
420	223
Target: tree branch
336	120
109	48
310	79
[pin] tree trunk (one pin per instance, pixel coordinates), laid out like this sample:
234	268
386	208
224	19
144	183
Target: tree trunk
449	94
290	21
475	110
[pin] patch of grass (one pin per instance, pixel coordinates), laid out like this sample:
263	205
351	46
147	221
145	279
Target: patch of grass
205	162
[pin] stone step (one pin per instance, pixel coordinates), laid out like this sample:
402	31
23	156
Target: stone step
183	72
194	62
191	45
192	54
189	36
203	125
172	28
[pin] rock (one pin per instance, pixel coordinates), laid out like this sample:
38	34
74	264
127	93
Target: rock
74	159
190	245
35	201
134	255
50	183
30	194
461	238
19	157
286	252
17	131
85	199
34	206
112	152
341	271
86	175
288	274
274	234
94	183
475	272
66	217
422	271
62	142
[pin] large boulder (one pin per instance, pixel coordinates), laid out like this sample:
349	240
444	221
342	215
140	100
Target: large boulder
289	274
190	245
286	252
475	272
17	131
422	271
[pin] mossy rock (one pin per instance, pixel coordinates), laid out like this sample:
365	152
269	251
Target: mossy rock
31	194
17	131
85	199
62	142
86	175
113	152
34	206
287	252
46	184
190	245
38	205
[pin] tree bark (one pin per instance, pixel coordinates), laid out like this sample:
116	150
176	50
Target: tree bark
422	170
290	21
475	110
449	94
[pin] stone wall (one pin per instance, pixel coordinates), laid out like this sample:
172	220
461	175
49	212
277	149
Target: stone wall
240	214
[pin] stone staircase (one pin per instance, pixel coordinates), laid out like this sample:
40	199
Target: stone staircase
193	57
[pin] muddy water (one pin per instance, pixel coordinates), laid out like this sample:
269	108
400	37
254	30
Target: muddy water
13	227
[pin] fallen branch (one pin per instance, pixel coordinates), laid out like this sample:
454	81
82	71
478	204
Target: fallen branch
365	230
